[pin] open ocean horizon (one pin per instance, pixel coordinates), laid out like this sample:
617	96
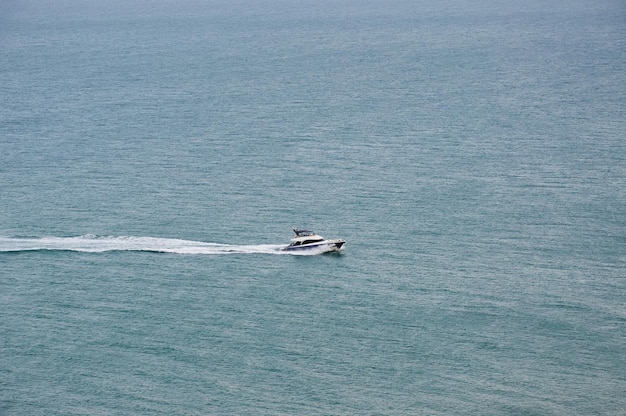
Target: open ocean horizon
155	157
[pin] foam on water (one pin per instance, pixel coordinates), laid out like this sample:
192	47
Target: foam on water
98	244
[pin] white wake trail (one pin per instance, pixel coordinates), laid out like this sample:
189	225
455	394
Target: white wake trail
99	244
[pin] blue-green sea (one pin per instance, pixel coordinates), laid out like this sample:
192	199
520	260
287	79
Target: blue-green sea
156	155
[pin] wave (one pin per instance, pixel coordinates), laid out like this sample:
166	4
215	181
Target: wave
100	244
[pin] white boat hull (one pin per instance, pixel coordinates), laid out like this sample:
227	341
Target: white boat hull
327	246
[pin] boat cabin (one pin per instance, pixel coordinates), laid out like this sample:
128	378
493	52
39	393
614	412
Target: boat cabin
304	237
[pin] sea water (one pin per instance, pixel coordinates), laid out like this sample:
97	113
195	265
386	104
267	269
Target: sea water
154	157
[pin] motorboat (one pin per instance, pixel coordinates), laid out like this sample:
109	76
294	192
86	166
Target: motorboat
306	240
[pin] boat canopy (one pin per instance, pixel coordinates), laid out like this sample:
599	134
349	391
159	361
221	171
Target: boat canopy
303	233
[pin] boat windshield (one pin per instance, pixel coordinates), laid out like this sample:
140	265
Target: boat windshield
305	242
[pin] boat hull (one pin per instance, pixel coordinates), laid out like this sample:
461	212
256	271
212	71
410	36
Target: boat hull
322	247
